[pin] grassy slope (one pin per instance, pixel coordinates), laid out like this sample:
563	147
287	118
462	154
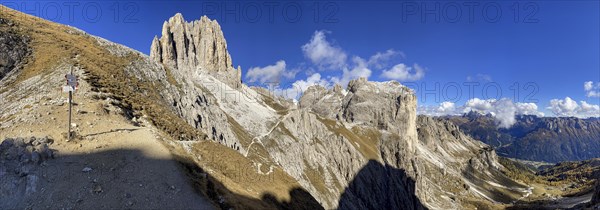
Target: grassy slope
364	140
563	179
54	44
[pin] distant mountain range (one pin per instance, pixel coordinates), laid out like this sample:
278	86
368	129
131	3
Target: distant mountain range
549	139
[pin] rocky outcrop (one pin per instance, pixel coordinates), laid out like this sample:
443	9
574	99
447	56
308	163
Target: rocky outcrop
387	106
19	171
372	168
197	105
385	157
192	46
18	45
379	104
460	165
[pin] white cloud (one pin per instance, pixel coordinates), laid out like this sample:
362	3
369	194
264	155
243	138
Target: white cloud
324	54
381	59
271	73
505	111
401	72
593	94
528	109
591	90
570	108
445	108
562	108
587	86
480	105
299	86
589	110
360	69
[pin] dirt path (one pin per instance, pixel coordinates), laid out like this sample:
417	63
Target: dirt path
115	165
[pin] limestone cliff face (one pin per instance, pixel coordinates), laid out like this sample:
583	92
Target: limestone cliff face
193	46
393	154
387	106
334	147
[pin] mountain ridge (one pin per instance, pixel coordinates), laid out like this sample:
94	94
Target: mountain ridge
549	139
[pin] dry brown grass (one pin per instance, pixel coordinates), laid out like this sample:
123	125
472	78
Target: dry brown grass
54	44
315	177
239	183
269	101
366	139
241	134
170	78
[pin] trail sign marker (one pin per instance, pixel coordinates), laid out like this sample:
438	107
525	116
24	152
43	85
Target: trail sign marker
67	88
71	82
70	87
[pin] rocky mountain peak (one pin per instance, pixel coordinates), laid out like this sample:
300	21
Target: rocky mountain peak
195	46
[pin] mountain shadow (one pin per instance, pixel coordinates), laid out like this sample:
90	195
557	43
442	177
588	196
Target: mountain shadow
124	179
212	188
109	179
378	186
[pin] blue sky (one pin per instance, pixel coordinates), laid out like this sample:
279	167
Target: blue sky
543	50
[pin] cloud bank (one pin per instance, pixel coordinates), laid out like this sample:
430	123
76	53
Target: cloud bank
568	107
503	110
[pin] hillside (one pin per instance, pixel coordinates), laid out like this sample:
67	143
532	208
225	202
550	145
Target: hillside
182	114
563	185
549	139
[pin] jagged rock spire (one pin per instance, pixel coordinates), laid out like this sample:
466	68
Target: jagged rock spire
194	46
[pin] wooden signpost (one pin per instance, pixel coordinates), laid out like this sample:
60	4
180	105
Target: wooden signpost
70	87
